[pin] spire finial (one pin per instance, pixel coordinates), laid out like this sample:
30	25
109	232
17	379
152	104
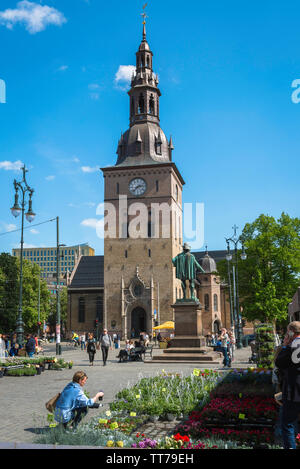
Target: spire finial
144	22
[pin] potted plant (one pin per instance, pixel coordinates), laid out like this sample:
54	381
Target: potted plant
154	411
70	365
171	411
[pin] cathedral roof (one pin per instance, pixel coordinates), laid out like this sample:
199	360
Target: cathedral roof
149	135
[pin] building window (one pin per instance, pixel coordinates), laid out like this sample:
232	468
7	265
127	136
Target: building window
126	254
81	310
157	186
206	302
118	188
99	309
141	104
149	252
151	105
215	302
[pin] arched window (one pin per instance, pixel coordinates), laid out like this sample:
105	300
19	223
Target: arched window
150	225
81	309
148	61
215	302
206	302
151	105
141	104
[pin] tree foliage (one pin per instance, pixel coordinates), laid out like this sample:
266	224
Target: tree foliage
9	294
269	277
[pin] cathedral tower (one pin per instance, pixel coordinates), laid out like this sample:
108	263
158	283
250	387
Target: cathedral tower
144	188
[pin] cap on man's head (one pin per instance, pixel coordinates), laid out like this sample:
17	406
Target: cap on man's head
187	246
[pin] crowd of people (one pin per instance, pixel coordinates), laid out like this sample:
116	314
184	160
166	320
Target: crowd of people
9	346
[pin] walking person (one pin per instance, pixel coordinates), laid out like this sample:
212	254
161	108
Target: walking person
106	343
30	346
82	341
2	346
224	338
288	362
91	348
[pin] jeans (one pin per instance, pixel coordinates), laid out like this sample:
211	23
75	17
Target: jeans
104	353
225	354
289	423
79	413
30	354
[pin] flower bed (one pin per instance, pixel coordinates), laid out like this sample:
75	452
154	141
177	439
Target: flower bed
223	412
242	409
166	394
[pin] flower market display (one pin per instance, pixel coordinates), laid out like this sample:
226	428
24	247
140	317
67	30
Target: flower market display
17	367
232	410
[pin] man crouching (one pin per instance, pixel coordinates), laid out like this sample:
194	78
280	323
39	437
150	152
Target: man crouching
73	404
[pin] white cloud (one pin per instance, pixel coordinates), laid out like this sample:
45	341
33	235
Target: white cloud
9	226
84	204
75	159
124	75
35	17
63	68
50	178
94	86
89	169
33	231
10	166
90	222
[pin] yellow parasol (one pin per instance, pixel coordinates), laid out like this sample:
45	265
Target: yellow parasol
165	325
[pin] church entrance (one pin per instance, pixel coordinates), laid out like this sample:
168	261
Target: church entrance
138	321
217	327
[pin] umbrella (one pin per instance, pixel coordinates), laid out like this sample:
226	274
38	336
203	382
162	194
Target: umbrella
165	325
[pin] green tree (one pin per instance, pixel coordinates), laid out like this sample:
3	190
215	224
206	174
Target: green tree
268	278
9	294
32	283
52	318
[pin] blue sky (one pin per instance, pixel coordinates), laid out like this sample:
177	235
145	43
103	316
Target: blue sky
226	71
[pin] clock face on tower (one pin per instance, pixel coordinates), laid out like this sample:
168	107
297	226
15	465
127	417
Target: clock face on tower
137	186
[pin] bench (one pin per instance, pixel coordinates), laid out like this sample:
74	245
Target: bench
148	351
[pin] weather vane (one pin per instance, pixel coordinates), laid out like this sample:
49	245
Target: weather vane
144	14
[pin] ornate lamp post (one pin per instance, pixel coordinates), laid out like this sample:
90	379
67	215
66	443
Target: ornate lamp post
17	210
235	313
59	256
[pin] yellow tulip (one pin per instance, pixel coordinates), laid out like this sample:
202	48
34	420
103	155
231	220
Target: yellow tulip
120	444
110	444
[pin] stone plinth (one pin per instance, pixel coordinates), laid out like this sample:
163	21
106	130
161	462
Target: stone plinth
188	345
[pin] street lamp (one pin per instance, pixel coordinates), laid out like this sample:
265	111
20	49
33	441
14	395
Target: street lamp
236	319
58	318
16	211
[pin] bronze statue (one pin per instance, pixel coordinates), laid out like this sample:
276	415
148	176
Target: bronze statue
186	267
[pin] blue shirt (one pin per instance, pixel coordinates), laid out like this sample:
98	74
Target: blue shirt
70	399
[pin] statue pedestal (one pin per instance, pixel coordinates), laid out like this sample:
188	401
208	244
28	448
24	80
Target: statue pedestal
188	345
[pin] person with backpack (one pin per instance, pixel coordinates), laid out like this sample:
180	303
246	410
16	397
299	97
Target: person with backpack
91	348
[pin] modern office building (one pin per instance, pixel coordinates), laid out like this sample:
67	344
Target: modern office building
45	258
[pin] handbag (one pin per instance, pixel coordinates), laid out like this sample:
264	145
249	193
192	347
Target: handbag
50	405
